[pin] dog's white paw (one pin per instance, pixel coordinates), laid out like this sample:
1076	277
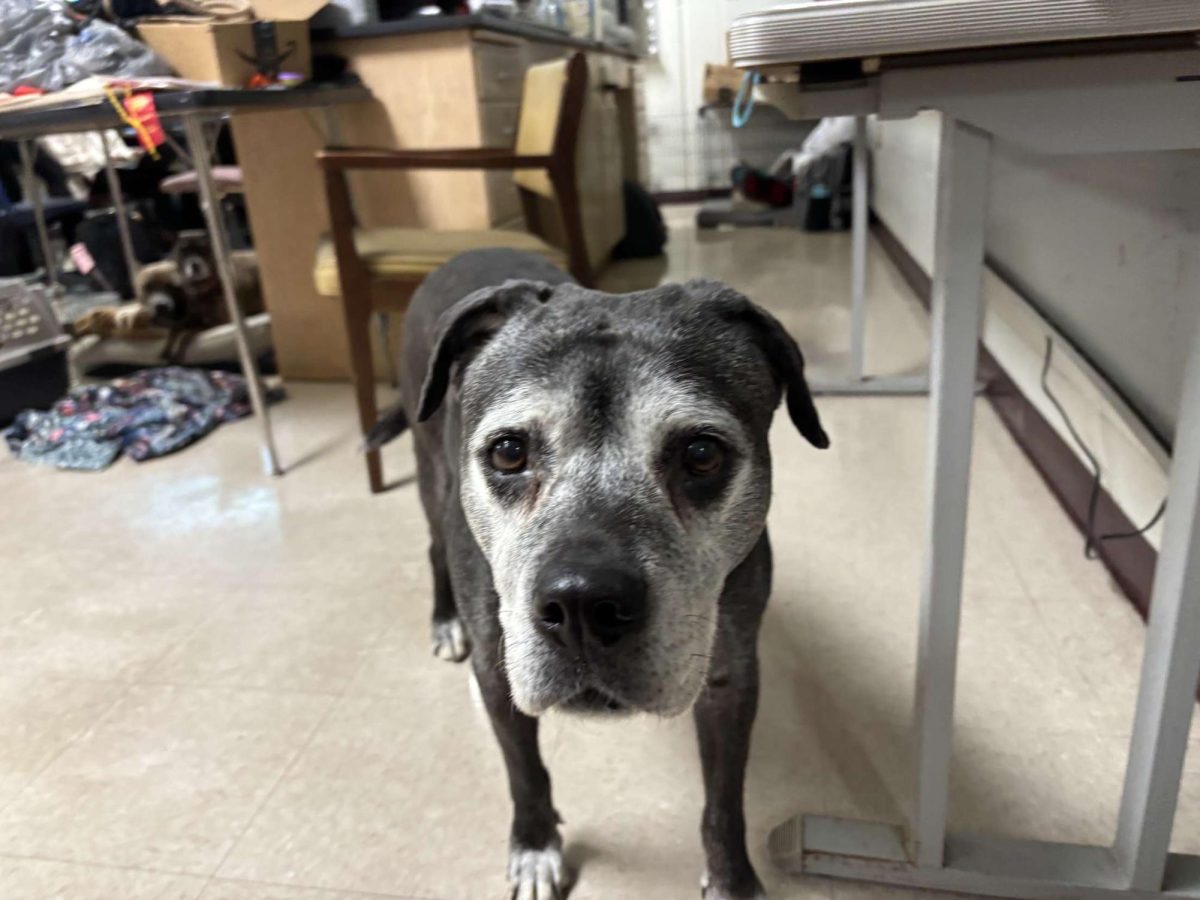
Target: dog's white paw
450	641
536	874
709	891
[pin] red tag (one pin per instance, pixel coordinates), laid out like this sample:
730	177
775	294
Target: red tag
141	107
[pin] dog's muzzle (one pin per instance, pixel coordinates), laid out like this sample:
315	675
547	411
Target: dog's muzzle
588	606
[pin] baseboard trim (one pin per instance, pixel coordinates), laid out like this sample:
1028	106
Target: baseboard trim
1131	561
693	196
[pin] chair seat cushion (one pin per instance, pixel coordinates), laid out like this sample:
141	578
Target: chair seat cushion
415	252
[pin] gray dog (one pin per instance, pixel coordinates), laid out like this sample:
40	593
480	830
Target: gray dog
596	475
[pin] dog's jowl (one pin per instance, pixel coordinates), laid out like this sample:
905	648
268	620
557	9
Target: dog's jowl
596	474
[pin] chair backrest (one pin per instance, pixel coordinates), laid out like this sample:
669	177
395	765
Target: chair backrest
552	99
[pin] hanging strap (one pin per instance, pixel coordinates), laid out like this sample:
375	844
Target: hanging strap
743	103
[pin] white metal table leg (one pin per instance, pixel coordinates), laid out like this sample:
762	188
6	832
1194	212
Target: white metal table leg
34	196
957	317
211	204
849	849
858	253
1171	665
122	213
858	382
1140	865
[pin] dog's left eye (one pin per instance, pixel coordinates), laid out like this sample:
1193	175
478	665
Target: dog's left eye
508	455
703	456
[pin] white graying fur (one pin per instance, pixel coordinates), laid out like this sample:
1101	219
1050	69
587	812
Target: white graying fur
450	640
709	892
536	874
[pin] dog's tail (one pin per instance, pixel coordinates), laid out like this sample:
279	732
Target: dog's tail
392	424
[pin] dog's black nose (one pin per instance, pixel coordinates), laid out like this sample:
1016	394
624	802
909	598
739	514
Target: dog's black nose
579	602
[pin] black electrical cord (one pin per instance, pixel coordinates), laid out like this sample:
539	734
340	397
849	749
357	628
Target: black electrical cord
1091	539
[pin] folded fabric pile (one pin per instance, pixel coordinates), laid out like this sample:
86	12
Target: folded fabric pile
149	414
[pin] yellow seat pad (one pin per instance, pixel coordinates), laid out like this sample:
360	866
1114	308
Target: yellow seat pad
406	252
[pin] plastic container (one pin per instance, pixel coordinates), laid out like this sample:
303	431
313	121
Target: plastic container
34	372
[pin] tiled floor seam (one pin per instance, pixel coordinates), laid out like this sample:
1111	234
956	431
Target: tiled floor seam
92	864
336	699
214	880
291	763
71	742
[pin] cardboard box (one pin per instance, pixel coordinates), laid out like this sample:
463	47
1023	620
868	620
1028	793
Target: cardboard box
219	51
721	84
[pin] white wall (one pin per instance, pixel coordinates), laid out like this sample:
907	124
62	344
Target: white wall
1101	250
905	180
1107	248
685	152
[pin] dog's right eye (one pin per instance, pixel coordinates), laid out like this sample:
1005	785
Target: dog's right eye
508	455
703	457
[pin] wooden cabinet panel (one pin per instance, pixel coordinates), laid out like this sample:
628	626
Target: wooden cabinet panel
498	124
425	93
499	68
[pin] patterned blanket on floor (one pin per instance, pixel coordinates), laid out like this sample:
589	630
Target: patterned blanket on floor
146	415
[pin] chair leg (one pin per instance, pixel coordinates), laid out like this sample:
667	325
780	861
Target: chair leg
572	219
385	332
362	370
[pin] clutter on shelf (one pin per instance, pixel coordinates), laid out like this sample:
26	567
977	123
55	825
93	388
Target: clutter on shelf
44	48
254	43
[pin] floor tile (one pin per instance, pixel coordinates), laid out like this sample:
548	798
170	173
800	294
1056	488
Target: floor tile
306	643
41	718
392	795
101	632
167	781
204	667
1055	788
38	879
221	889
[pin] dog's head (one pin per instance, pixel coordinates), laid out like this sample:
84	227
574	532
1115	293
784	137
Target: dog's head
614	470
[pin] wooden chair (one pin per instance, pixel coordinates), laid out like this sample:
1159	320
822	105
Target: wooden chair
353	261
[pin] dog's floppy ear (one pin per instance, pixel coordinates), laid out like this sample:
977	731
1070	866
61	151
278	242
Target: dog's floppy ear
783	354
465	326
787	360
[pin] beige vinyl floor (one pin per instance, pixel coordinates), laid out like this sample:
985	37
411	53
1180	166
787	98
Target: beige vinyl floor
217	685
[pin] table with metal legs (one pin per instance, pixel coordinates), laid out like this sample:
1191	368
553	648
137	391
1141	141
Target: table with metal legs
198	110
857	381
1115	100
124	231
210	202
29	179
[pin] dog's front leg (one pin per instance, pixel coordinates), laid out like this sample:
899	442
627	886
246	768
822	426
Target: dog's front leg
535	867
724	717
